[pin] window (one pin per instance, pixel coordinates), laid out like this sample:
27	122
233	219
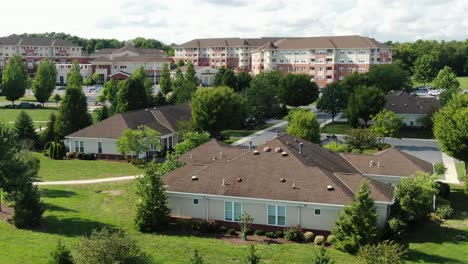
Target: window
317	212
232	211
350	69
276	215
361	69
99	147
341	78
341	69
79	146
195	201
320	68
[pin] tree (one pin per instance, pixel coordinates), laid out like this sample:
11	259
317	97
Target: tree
28	205
385	252
389	77
110	93
197	259
386	124
44	82
165	81
415	195
185	85
333	100
252	258
191	76
451	128
103	113
60	255
446	79
229	79
72	113
180	63
243	81
48	134
142	77
14	79
57	98
191	141
261	97
24	128
218	79
353	81
138	141
74	79
95	77
303	124
323	258
106	247
361	139
152	212
132	95
246	221
425	68
357	223
87	81
364	102
217	109
297	89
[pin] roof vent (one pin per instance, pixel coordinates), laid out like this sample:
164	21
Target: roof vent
255	152
266	149
294	185
191	155
371	163
146	109
154	108
239	180
284	154
194	178
282	180
220	154
224	182
301	145
330	188
278	150
406	105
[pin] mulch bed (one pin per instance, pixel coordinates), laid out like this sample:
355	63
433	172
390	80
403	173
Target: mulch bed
237	239
6	213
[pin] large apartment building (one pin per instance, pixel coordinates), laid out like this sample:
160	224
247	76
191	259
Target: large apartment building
234	53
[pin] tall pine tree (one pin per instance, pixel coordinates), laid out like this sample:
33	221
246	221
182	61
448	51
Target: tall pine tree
73	112
165	81
49	133
74	79
357	223
15	79
25	131
44	83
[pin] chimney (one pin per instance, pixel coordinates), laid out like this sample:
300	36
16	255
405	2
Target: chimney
301	145
250	144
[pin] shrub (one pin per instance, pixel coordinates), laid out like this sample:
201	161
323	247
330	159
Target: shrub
80	156
396	228
336	146
279	234
71	155
330	239
90	156
46	149
443	189
270	234
444	212
384	252
294	233
204	226
184	225
259	232
319	240
439	168
223	229
57	150
382	146
308	236
232	232
60	255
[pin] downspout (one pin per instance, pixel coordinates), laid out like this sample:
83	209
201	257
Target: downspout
207	207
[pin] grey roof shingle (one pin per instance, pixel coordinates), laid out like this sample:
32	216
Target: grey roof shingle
401	102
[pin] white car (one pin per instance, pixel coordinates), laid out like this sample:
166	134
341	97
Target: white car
434	92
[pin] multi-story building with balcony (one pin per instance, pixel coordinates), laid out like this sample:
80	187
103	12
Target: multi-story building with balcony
326	59
34	49
234	53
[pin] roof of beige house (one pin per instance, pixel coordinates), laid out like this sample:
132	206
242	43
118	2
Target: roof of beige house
35	41
272	175
162	119
389	162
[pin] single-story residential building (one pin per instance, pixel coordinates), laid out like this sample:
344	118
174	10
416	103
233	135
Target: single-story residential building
389	165
204	74
281	183
100	138
411	106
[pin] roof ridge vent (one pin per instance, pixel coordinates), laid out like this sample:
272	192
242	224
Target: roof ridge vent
256	152
330	188
284	154
194	178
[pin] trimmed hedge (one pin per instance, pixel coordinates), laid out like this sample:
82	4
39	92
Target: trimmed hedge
259	232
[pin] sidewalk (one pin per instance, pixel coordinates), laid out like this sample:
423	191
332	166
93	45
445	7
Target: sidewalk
451	175
258	133
115	179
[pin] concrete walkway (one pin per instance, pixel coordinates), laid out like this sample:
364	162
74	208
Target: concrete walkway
451	175
258	133
115	179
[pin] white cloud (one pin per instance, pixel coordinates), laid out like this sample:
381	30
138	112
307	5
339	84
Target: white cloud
182	20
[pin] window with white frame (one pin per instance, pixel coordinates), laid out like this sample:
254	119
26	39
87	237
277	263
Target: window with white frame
317	212
79	146
195	201
341	78
99	147
277	215
341	69
350	69
361	69
232	211
320	68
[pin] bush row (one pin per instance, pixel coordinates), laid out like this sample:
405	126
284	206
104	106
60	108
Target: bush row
81	156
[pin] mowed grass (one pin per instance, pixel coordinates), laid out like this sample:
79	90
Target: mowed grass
337	129
460	166
10	115
65	170
463	82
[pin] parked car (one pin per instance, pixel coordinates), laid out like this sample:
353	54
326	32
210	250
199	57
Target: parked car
25	105
434	92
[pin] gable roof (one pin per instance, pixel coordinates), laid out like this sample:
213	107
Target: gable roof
251	175
401	102
227	42
162	119
35	41
389	162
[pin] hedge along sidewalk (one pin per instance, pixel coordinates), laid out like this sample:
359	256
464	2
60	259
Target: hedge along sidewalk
115	179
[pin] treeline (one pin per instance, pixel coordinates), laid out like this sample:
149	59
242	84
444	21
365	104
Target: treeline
431	53
91	45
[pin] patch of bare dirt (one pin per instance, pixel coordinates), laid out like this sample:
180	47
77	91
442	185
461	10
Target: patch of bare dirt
113	192
6	213
254	240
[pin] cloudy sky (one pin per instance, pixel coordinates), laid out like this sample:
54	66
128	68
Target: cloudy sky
182	20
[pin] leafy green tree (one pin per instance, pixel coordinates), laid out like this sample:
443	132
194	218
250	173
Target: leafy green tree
191	76
415	195
333	100
297	89
75	80
218	79
243	81
24	128
361	139
110	93
386	124
48	134
60	255
252	258
357	223
446	79
95	77
451	128
323	258
191	141
87	81
165	81
72	113
152	212
353	81
425	68
28	205
183	87
261	97
382	253
389	77
229	79
132	95
106	247
196	259
180	63
141	76
136	141
44	83
363	103
217	109
57	98
303	124
103	113
14	79
246	221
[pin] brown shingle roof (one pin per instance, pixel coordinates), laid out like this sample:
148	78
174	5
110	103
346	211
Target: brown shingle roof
246	174
401	102
390	162
162	119
35	41
226	42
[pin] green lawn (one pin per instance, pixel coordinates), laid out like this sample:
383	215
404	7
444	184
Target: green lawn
27	98
9	115
460	171
76	210
63	170
337	129
463	82
239	133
